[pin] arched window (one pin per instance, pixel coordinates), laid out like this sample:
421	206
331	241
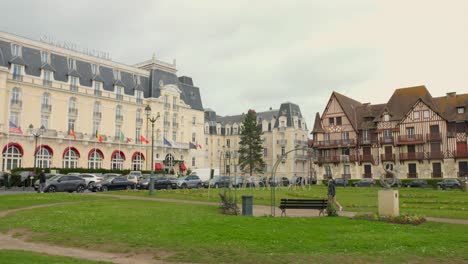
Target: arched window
137	161
15	95
70	159
117	160
45	99
12	157
95	159
43	157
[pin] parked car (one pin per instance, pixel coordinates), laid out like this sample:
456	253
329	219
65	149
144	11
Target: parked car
90	179
394	182
133	176
341	182
282	181
143	181
449	183
298	180
364	182
165	182
108	175
48	176
238	181
63	183
190	181
418	184
117	183
218	182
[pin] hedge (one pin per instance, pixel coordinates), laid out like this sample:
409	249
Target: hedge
85	170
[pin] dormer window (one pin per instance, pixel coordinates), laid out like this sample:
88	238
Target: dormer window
94	69
338	121
386	117
460	110
97	88
116	74
136	79
119	92
139	97
45	57
17	72
416	115
71	64
16	50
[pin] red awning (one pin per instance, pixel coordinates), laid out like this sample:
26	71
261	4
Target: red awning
97	150
46	147
14	144
158	166
183	167
71	148
118	151
138	153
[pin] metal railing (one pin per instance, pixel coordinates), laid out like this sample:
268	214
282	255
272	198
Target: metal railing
119	118
73	88
433	137
47	83
98	92
97	114
412	156
435	155
46	107
387	140
410	139
16	103
335	143
18	77
387	157
281	141
72	111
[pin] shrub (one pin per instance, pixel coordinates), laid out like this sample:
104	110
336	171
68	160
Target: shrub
405	219
331	210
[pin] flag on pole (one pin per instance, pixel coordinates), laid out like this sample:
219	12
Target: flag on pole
122	136
99	137
192	146
13	128
143	139
129	140
72	133
167	143
199	146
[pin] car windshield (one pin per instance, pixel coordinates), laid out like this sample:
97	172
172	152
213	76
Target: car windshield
109	179
182	178
55	177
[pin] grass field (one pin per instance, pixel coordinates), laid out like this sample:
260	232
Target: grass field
425	202
199	233
22	257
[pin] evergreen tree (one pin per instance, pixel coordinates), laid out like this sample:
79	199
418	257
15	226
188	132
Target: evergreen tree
251	149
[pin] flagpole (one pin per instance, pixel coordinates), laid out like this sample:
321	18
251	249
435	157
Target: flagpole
69	146
8	133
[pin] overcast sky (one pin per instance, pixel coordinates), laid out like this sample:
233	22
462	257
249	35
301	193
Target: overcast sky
257	54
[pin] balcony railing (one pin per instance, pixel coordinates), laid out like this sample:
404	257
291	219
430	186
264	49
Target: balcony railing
98	92
335	143
434	137
73	88
167	106
18	77
281	141
460	154
301	156
435	155
412	156
16	103
139	101
46	108
167	124
387	157
281	129
119	97
367	158
329	159
97	114
367	175
298	142
410	139
437	174
412	175
175	108
462	174
367	141
346	176
73	111
386	140
47	83
175	125
119	118
451	134
139	121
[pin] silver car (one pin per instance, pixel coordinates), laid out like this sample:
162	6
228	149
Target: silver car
191	181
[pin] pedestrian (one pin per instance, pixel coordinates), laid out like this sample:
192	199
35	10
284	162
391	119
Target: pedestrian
42	181
332	194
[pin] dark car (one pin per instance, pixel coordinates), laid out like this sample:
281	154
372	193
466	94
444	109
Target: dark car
63	183
165	182
341	182
418	184
117	183
218	182
449	183
282	181
366	182
394	182
238	182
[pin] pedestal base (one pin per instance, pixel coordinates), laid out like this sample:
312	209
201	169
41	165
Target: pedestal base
389	203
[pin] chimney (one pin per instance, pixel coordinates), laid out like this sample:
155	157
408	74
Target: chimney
271	108
452	94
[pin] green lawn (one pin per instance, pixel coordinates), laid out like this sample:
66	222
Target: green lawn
23	257
426	202
199	233
15	201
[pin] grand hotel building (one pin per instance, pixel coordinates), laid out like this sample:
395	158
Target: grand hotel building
420	135
64	90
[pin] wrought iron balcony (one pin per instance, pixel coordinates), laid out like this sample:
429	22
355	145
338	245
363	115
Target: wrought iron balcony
462	174
72	111
47	83
346	176
340	143
437	174
18	77
119	97
410	139
412	156
367	141
460	154
301	156
97	115
386	140
298	142
367	158
46	108
328	159
434	137
119	118
412	175
387	157
15	103
98	92
435	155
281	142
73	88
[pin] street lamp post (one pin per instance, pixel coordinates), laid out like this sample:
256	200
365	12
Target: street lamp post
36	134
152	120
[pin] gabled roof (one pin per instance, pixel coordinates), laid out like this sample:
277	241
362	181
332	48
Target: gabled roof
17	60
74	73
97	78
447	106
318	124
47	67
348	105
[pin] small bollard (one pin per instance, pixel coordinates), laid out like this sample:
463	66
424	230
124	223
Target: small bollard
247	205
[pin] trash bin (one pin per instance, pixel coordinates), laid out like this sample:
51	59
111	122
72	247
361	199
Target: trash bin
247	205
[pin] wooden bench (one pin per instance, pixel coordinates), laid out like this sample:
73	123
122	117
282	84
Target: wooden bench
303	204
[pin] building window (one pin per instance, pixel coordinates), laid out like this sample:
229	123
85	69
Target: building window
331	120
94	69
265	152
17	72
416	115
96	108
194	120
345	135
193	162
45	99
70	159
96	126
15	96
97	88
206	141
118	113
72	105
14	119
71	64
73	81
119	91
12	158
95	160
43	158
283	150
346	171
460	110
410	130
44	57
118	129
136	79
174	136
116	74
71	125
426	114
117	161
16	50
365	135
45	121
139	97
194	137
137	162
338	121
386	117
137	134
228	143
218	142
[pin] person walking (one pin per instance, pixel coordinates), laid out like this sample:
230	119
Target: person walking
42	181
332	194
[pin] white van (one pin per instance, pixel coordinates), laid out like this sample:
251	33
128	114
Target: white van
204	173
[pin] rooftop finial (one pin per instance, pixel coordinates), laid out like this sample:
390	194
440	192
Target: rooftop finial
154	56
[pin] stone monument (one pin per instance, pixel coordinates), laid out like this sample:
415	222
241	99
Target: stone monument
389	200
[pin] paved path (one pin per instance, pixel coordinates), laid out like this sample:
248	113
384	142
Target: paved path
264	210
